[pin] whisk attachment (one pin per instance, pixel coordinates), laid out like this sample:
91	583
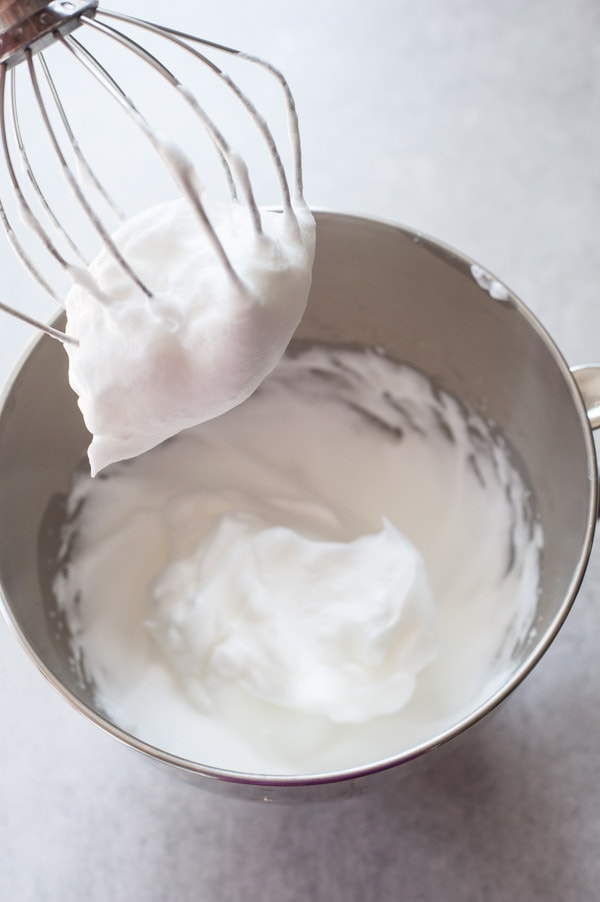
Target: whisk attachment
31	25
30	32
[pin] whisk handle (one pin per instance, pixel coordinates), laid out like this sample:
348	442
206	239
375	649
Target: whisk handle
32	24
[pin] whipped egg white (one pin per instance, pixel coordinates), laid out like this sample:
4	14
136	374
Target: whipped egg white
327	575
146	367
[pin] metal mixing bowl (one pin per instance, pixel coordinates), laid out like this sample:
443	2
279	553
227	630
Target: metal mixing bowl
375	284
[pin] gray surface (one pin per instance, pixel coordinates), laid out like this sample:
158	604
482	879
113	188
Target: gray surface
477	123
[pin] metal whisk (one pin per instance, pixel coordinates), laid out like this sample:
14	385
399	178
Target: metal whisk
49	227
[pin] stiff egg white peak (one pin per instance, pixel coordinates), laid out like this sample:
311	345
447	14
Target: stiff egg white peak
145	368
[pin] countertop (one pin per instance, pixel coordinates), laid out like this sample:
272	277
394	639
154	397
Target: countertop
478	123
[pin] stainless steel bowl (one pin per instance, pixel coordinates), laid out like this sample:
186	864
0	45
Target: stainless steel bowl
377	284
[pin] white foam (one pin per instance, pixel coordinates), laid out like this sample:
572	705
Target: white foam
327	575
146	367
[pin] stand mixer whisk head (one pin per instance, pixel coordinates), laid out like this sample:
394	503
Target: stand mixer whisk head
56	224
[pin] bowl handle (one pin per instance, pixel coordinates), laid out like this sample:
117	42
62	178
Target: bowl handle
587	378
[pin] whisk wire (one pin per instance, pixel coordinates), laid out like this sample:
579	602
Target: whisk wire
293	124
73	183
24	206
79	155
18	248
38	324
233	161
180	39
181	168
26	165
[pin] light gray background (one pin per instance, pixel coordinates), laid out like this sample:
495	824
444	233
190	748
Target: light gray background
477	122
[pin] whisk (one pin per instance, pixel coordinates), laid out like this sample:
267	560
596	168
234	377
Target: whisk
34	214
